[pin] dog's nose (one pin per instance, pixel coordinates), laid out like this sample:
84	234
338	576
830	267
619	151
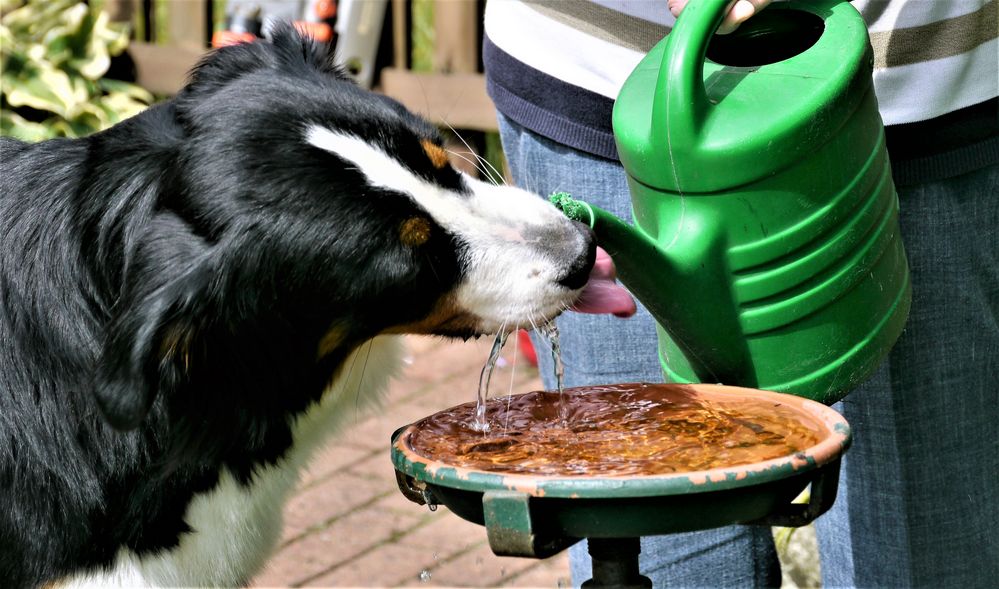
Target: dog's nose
579	271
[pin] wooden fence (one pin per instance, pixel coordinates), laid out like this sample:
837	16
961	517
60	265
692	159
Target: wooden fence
452	93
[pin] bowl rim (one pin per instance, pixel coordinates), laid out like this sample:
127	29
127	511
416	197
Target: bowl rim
827	450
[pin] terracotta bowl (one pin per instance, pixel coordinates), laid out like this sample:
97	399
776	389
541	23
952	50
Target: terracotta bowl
537	515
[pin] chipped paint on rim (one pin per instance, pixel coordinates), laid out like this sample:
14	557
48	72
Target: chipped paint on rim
828	449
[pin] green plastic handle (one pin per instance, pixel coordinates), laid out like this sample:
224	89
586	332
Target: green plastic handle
681	104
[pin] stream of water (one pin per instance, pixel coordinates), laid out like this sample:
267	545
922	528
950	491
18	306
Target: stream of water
550	331
479	423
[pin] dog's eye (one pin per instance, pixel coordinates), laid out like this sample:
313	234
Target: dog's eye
436	153
414	231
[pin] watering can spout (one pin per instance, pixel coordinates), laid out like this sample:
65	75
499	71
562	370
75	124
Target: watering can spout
686	296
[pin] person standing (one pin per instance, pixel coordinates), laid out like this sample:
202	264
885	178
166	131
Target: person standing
915	506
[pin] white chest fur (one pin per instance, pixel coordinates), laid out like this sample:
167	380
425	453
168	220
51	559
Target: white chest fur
236	527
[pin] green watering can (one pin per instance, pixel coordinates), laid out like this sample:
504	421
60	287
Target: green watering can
766	241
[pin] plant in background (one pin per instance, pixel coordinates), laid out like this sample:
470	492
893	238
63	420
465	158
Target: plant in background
53	56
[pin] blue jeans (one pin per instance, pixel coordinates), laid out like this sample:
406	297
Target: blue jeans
916	505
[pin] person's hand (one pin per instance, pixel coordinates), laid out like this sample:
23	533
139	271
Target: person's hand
602	295
740	11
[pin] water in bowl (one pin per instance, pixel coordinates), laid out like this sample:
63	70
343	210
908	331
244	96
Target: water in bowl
616	430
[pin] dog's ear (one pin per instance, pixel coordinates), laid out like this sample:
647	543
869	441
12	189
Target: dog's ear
287	51
223	65
294	50
154	323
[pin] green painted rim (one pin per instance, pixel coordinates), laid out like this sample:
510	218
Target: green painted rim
827	450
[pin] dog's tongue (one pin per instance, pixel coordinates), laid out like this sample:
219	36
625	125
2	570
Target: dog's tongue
602	295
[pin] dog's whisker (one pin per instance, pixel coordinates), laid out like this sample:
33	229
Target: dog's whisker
495	176
474	165
502	178
479	167
360	379
482	169
470	150
349	375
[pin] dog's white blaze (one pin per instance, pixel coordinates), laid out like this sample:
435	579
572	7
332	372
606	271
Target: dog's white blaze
514	258
485	211
236	527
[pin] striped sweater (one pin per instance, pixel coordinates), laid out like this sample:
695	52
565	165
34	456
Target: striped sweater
555	66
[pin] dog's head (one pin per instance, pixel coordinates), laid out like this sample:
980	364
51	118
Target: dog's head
301	215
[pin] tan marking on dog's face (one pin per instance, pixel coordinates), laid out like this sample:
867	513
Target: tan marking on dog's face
176	344
330	342
438	157
446	316
414	231
515	246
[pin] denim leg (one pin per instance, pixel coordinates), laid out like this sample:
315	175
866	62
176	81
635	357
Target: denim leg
599	349
917	504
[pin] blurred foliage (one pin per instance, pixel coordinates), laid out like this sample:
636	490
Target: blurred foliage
53	56
423	36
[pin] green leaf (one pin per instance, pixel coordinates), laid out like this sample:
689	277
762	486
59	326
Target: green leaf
83	90
53	56
90	121
102	117
113	35
13	125
94	63
8	5
131	90
59	47
45	88
123	105
62	128
8	43
32	20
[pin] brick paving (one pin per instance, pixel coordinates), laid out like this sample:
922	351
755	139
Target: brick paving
347	525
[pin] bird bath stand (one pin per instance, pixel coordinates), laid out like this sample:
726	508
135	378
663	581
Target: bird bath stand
540	515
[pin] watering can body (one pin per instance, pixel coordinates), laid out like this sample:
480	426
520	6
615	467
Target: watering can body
765	238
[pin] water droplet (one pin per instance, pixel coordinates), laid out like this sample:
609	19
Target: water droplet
437	556
428	499
424	576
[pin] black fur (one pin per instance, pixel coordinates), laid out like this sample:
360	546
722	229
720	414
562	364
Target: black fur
164	286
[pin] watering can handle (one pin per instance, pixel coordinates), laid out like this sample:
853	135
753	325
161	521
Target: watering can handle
681	100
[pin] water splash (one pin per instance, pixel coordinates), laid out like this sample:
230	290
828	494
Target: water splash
479	423
425	576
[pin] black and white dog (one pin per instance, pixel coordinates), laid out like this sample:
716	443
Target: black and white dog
188	298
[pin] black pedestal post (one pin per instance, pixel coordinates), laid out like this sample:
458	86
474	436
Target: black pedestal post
615	564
